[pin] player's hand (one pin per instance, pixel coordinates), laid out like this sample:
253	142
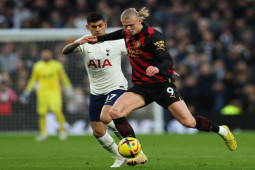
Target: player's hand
69	93
151	70
176	74
24	98
81	40
90	39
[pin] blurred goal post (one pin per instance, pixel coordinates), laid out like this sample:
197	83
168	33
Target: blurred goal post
47	37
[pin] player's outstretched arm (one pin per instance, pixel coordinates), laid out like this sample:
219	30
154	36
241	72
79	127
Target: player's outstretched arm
72	47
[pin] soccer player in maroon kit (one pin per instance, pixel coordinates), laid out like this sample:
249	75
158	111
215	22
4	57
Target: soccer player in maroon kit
152	76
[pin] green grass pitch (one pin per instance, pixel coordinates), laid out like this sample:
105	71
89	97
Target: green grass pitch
168	151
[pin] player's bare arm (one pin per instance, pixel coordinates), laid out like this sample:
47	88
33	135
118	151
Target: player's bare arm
70	48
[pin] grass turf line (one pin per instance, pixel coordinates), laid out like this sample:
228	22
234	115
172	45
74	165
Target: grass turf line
168	151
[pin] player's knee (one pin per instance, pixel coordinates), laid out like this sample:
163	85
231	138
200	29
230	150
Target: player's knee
105	119
115	113
98	133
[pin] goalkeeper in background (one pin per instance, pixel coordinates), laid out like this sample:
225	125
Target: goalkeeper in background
48	73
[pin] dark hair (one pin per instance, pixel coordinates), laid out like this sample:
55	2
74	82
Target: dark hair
94	17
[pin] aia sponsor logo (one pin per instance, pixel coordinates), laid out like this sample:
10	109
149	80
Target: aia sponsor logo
99	63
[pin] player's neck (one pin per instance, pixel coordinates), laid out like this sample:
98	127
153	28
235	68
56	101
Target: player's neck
46	61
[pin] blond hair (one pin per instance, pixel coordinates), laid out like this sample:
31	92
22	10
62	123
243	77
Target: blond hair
143	13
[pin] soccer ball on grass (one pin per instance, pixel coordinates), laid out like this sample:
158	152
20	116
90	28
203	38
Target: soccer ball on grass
129	147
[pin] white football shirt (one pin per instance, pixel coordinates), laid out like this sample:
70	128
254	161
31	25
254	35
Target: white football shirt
103	64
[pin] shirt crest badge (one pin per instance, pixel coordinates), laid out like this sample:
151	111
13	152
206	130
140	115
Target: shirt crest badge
138	43
107	52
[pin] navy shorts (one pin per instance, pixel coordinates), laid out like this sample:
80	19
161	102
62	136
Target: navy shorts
98	101
164	93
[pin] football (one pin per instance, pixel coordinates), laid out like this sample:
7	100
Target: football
129	147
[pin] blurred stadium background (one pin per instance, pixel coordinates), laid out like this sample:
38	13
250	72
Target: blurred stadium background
211	42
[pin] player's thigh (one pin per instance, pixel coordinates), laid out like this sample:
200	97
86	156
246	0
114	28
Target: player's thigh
55	103
99	129
181	112
111	98
126	103
42	105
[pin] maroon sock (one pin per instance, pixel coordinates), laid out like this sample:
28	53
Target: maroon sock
124	128
202	123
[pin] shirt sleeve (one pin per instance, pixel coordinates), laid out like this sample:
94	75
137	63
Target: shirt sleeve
164	60
119	34
80	48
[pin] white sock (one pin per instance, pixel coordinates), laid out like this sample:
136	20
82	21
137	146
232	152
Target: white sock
108	143
222	131
111	125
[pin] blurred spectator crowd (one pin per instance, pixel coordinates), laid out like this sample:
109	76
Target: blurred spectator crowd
211	43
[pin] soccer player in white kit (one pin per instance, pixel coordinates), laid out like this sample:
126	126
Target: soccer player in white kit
107	82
